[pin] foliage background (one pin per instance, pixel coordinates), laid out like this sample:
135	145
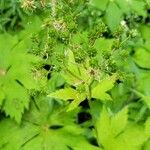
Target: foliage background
74	75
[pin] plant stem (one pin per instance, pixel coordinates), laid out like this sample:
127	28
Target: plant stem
89	93
124	41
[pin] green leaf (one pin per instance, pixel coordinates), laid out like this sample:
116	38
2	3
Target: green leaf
148	2
37	130
119	121
16	76
103	128
138	7
79	38
17	100
143	81
99	92
117	133
136	135
113	12
141	57
145	31
74	73
69	94
100	4
72	66
145	98
147	145
64	94
2	96
124	5
87	146
108	128
147	127
77	100
104	45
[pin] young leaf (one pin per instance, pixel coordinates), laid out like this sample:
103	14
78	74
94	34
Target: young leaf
99	92
77	100
64	94
72	66
74	73
69	94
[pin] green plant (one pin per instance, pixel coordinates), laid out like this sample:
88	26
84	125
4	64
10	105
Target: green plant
75	76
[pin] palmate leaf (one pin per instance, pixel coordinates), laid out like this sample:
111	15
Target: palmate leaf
119	122
69	94
17	99
15	75
99	92
74	73
103	126
43	128
117	133
109	128
64	94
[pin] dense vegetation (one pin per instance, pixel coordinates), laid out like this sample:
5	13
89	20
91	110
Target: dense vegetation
74	74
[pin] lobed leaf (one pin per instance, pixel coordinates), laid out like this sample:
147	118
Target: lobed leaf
99	92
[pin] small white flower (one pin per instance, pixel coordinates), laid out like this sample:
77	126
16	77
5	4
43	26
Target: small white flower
124	25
